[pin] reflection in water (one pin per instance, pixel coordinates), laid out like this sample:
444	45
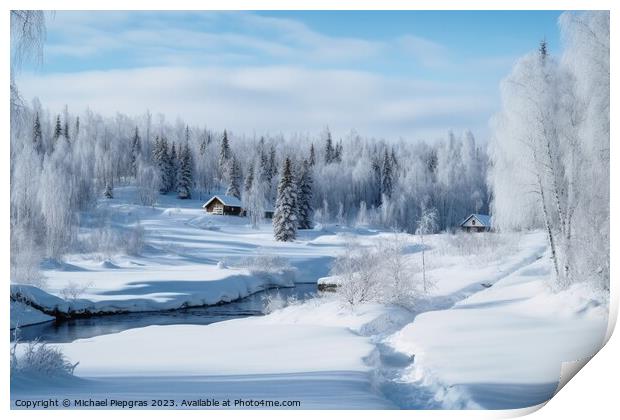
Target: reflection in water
70	330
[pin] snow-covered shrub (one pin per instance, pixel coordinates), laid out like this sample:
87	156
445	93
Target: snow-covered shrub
397	274
379	273
37	359
74	291
356	269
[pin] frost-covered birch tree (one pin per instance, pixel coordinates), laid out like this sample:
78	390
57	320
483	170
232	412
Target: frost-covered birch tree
550	149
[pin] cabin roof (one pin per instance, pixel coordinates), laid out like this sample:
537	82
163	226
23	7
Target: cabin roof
484	219
227	200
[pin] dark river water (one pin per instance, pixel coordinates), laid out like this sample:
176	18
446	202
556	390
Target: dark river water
70	330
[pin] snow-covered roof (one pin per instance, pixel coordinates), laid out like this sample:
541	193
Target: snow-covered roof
227	200
484	219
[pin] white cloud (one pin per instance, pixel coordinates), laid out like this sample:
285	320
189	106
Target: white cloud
270	99
81	34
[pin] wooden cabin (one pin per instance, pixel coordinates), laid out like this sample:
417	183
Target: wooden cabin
477	223
224	205
230	206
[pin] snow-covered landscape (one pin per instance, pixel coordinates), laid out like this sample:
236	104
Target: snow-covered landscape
494	326
171	266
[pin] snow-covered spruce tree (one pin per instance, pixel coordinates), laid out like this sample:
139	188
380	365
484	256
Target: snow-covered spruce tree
329	148
184	175
162	162
205	139
387	181
77	127
273	164
375	187
264	167
312	158
224	157
57	129
37	135
107	192
285	216
304	198
337	153
136	150
235	177
174	167
65	131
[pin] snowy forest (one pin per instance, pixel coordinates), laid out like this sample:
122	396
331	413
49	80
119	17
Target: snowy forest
66	162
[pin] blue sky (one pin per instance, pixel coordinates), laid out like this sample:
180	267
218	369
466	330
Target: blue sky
410	74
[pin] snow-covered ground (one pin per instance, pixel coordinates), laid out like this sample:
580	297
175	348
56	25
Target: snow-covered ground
491	334
190	259
503	347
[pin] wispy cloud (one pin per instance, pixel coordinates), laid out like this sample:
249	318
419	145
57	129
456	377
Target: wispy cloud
270	99
79	34
253	72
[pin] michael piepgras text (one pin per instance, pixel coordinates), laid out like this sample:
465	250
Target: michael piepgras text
52	403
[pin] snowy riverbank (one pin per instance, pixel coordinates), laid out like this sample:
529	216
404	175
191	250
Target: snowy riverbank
489	335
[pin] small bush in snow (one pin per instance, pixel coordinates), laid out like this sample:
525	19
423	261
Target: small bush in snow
37	359
380	273
357	273
74	291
